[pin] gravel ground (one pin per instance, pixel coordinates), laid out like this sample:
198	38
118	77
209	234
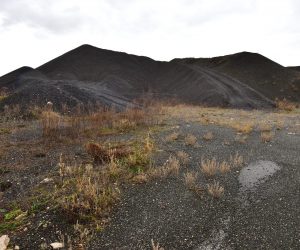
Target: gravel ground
259	209
264	215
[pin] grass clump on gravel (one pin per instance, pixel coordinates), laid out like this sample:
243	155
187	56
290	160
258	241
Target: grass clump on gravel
215	189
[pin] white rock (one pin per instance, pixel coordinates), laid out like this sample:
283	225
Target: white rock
17	248
4	240
46	180
57	245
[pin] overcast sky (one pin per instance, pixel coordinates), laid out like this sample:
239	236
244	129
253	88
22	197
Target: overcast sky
34	31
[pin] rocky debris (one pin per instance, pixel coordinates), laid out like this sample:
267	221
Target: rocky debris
57	245
46	180
4	240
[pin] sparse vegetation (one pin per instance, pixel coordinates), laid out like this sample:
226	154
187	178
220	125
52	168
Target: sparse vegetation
190	179
244	128
236	160
170	167
224	167
172	137
209	167
241	138
285	105
190	140
208	136
266	136
265	127
215	189
183	157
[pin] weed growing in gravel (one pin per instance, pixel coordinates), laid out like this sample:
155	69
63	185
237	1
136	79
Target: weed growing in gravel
265	127
266	136
155	246
241	139
50	122
101	153
183	157
172	137
170	167
190	140
209	167
88	192
244	128
285	105
215	189
236	160
190	179
208	136
224	167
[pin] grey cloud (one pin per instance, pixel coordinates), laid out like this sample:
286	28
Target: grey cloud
43	15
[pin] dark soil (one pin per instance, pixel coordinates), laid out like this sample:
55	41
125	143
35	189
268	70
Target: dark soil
165	210
258	72
89	75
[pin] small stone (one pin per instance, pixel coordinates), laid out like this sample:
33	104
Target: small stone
57	245
17	248
46	180
4	240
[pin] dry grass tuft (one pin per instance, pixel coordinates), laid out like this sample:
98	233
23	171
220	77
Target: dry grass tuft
224	167
209	167
183	157
236	160
215	189
190	179
190	140
285	105
85	191
50	122
265	127
266	136
155	246
208	136
241	139
172	137
170	167
244	128
102	154
140	178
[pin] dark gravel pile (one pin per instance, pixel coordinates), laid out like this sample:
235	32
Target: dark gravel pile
88	75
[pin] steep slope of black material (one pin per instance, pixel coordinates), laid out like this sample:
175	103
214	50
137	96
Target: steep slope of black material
260	73
88	75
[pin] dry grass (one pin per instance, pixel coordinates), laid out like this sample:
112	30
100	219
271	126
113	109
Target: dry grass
215	189
170	167
241	138
101	121
209	167
155	246
266	136
244	128
265	127
224	167
183	157
190	140
172	137
86	191
190	179
285	105
50	122
104	154
236	160
208	136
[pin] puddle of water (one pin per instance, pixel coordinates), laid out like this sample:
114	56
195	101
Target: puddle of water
256	173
